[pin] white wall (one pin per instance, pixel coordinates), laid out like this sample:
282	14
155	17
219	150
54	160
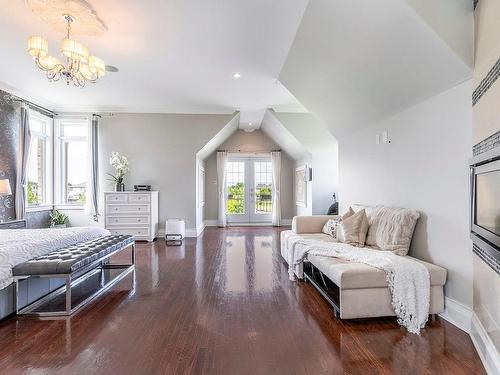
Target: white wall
245	142
486	122
323	149
308	209
425	167
161	149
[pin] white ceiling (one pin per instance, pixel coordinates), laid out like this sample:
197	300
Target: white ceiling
356	62
174	56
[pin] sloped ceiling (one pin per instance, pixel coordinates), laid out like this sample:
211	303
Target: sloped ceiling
275	130
354	63
308	130
219	138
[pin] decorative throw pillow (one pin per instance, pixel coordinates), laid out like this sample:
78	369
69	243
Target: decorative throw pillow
332	227
391	229
354	229
340	232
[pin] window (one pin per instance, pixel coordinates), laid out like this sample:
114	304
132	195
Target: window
39	167
72	150
263	187
235	185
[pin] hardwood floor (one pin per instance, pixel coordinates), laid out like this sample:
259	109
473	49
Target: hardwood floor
224	305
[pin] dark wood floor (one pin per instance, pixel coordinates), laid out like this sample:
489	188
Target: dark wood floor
224	305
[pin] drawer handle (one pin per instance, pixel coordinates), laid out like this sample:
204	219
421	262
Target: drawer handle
139	220
116	209
116	220
139	208
139	198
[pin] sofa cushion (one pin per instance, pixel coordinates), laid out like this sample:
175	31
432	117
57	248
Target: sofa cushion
391	228
354	229
340	235
332	227
351	275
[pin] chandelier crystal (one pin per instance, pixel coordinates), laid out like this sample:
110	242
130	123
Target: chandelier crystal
79	67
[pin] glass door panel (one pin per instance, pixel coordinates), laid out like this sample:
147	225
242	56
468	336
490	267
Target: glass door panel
262	191
249	190
236	191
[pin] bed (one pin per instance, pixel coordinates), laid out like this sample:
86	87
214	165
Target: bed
19	245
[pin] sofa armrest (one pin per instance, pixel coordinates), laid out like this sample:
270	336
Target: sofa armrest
310	224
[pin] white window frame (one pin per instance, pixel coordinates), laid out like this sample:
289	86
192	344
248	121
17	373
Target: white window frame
48	170
60	162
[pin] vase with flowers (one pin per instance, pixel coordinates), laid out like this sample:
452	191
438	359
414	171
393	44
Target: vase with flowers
120	164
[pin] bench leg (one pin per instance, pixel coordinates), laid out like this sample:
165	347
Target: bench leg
133	253
16	296
68	294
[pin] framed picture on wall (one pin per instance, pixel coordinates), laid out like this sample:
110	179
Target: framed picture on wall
201	186
301	186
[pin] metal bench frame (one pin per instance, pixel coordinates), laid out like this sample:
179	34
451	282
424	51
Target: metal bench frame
73	279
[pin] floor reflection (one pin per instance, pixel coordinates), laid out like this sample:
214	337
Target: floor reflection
235	251
263	267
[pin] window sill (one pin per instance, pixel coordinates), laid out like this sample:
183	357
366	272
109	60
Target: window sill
42	207
69	207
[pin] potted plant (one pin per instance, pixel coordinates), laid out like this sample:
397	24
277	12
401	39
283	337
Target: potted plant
57	219
120	163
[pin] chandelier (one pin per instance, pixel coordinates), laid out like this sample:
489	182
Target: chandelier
79	66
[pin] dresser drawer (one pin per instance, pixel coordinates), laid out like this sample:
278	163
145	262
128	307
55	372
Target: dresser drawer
138	198
139	232
126	220
118	198
127	209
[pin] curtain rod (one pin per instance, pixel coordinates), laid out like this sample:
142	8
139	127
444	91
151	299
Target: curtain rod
30	104
249	152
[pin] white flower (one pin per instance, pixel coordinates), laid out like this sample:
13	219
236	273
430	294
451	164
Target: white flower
120	163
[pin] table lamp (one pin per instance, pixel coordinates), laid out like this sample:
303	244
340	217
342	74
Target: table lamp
5	187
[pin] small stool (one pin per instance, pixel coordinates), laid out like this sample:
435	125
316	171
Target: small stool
175	230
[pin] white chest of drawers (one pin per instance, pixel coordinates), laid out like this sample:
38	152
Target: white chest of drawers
131	212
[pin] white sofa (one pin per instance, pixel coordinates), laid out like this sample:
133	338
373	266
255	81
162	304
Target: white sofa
356	290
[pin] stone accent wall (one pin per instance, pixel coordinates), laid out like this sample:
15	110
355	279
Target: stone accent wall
9	141
488	144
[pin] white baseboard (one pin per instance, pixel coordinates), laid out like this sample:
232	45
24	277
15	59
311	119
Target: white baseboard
200	228
486	349
284	222
457	314
464	318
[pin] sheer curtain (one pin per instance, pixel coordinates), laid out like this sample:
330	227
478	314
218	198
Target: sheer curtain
221	187
92	195
24	148
276	166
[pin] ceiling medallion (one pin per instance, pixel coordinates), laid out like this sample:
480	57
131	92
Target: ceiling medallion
86	21
80	67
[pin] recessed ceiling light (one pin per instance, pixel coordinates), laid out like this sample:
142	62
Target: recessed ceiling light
236	75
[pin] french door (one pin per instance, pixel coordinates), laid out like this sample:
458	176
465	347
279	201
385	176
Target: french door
249	190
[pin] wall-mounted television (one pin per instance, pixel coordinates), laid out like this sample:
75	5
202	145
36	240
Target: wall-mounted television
485	203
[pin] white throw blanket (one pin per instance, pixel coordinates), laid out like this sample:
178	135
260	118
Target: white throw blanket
19	245
408	280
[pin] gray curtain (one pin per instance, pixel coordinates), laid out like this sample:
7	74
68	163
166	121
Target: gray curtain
23	154
92	199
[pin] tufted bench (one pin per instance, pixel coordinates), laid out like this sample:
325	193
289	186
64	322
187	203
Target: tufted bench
76	263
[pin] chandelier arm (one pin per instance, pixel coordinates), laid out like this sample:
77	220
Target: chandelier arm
72	70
